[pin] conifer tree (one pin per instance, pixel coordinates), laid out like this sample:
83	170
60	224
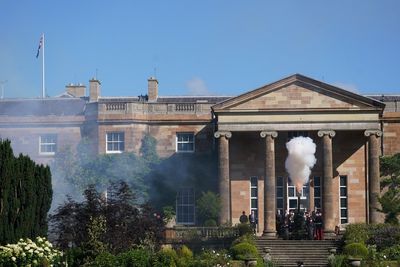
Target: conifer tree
25	196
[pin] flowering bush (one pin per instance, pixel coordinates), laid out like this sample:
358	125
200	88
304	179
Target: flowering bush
213	258
29	253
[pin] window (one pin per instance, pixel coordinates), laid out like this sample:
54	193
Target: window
343	199
297	134
317	193
254	195
184	142
115	142
279	194
185	208
292	196
48	144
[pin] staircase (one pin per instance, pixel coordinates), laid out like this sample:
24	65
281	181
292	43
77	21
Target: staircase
289	252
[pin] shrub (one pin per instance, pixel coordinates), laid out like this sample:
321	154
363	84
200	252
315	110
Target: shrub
384	236
210	223
249	238
356	250
357	233
392	253
337	260
185	256
26	252
212	258
75	257
104	259
165	258
244	229
135	258
244	251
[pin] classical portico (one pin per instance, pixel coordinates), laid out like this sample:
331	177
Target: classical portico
253	128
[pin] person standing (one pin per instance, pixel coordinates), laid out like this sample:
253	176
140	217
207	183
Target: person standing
318	225
243	218
253	221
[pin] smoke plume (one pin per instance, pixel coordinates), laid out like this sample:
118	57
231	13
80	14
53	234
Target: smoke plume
300	160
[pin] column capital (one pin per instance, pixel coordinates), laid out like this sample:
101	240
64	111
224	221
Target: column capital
368	133
273	134
331	133
227	134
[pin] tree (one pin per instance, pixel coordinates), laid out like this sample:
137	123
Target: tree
25	196
126	222
390	200
208	207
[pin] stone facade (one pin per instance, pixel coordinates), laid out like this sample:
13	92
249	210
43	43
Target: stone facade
250	132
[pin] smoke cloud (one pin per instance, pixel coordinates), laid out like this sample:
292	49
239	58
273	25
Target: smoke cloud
300	160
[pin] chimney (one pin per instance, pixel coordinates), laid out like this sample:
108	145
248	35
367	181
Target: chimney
94	90
76	90
152	87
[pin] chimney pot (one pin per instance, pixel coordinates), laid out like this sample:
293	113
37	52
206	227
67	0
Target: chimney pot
94	90
152	87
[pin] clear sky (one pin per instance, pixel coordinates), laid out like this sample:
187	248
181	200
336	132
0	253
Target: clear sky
207	47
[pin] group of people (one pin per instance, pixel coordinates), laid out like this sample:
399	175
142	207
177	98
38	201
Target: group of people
313	224
285	223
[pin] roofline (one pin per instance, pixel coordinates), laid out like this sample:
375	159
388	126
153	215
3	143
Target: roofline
305	79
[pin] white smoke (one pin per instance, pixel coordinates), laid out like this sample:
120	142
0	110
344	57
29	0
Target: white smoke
300	160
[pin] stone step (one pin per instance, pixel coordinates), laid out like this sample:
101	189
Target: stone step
289	252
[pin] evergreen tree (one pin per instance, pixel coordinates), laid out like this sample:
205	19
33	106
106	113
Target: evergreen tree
390	200
25	196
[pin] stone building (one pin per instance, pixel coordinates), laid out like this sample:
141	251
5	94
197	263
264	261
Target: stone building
249	133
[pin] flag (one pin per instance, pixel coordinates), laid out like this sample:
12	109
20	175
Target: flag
40	46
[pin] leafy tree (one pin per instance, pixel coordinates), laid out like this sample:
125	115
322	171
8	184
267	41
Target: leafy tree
208	207
126	222
25	196
390	200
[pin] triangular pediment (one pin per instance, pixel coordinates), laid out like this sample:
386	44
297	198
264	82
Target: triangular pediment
298	92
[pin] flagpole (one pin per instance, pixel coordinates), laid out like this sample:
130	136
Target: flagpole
43	81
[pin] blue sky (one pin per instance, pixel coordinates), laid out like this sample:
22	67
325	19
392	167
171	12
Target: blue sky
212	47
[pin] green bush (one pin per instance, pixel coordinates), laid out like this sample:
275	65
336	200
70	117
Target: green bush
244	251
208	207
75	257
244	229
392	253
210	223
212	258
357	233
104	259
135	258
165	258
249	238
356	250
185	256
337	260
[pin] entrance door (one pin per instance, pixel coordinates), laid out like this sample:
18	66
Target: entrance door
292	197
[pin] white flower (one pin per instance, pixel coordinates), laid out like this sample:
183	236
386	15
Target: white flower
13	258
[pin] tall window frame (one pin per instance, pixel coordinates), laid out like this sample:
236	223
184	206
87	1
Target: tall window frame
48	144
343	199
254	195
185	142
185	206
280	194
317	193
115	142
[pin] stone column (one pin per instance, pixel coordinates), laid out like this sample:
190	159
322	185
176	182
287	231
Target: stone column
329	209
269	184
373	175
223	172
